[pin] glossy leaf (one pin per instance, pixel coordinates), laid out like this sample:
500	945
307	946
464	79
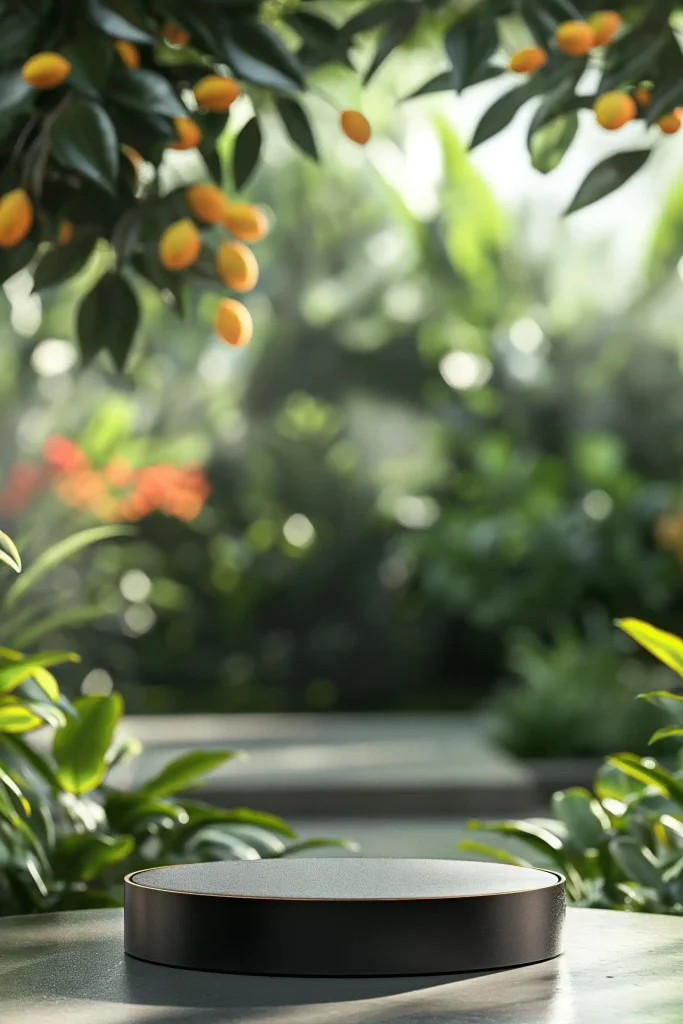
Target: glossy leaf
60	553
396	30
540	839
63	261
646	770
16	673
80	747
501	113
203	813
298	126
145	91
257	54
187	770
82	858
91	56
9	553
246	152
15	717
637	862
549	144
15	93
492	852
587	824
469	44
116	26
84	138
318	843
608	176
667	647
39	764
98	330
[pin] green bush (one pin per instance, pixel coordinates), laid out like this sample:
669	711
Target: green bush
622	845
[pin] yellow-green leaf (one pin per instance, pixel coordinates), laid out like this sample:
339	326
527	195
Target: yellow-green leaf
9	553
15	717
18	672
667	647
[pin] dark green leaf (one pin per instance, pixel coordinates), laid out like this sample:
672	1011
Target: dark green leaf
116	26
126	235
469	44
323	43
395	32
297	124
79	748
15	93
257	54
84	138
145	91
500	114
134	812
373	16
98	329
63	261
609	175
81	858
15	259
549	144
39	764
631	58
664	101
91	55
185	771
246	152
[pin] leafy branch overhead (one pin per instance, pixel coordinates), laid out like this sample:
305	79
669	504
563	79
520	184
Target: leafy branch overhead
93	94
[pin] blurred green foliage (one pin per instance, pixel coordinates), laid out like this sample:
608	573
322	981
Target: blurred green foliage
420	455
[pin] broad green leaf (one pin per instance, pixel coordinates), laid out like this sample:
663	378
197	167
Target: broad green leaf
214	843
15	93
647	770
637	862
201	814
667	647
185	771
16	717
266	844
84	138
492	852
298	126
608	176
246	152
63	261
587	824
540	839
256	53
16	673
145	91
611	784
134	812
82	858
501	113
115	25
91	56
80	747
9	553
59	553
549	144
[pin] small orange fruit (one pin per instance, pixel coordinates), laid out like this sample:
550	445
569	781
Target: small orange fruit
216	93
207	202
65	232
46	70
180	245
175	35
670	123
189	133
246	222
16	217
237	266
642	96
575	38
614	109
605	25
233	322
355	126
128	52
531	59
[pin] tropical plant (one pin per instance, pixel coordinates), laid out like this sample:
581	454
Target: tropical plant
620	846
68	834
95	94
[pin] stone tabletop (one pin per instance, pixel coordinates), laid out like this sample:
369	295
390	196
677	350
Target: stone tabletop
71	969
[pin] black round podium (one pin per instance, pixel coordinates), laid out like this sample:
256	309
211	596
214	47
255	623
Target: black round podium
344	917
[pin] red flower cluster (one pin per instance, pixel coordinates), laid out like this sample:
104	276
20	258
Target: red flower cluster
120	492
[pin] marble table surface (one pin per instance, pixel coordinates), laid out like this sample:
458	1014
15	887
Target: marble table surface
71	969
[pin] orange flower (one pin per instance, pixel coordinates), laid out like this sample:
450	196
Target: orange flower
24	481
64	455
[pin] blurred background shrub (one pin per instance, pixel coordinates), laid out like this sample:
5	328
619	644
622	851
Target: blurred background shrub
428	456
